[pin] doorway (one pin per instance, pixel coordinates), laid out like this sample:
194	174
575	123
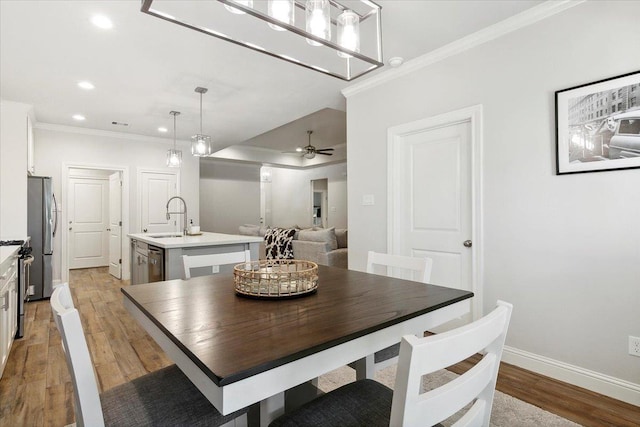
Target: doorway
434	197
319	202
95	215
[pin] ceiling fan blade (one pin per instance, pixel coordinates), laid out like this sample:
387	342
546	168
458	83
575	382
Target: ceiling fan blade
324	154
291	152
324	149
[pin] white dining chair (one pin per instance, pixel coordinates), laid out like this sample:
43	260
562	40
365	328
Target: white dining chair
164	397
367	402
420	270
213	260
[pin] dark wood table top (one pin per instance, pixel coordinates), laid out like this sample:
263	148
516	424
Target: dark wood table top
231	337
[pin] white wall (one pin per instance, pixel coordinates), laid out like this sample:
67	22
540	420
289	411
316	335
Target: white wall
291	195
229	196
565	250
56	147
13	169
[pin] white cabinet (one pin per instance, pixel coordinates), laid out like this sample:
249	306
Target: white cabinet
8	308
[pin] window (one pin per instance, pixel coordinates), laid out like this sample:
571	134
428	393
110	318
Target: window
619	92
633	88
613	96
619	106
632	102
630	126
613	108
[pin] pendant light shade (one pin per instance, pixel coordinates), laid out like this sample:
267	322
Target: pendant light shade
348	23
318	14
174	156
282	10
200	143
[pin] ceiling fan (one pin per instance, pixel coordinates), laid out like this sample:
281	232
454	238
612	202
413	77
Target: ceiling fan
309	152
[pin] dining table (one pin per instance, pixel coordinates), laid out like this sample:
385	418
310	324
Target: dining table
239	351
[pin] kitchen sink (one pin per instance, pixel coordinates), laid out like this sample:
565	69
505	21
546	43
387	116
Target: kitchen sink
164	236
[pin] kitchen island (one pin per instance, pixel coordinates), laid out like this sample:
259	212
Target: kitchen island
157	256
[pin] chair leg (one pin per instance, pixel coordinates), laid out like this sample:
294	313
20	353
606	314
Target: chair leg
365	368
271	408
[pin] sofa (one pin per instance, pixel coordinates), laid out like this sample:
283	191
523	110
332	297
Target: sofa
324	246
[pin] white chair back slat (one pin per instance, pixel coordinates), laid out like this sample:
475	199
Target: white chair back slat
475	416
420	356
419	266
211	260
88	410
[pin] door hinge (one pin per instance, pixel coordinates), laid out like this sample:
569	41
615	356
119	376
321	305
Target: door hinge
120	223
120	261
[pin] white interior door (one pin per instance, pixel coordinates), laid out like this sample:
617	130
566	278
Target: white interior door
88	222
157	189
431	207
115	225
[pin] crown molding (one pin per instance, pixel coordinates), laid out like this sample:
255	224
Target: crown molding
105	133
513	23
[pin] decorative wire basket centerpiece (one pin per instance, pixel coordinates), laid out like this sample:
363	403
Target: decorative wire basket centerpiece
284	278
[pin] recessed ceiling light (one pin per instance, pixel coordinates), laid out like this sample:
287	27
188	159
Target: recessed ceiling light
78	117
86	85
162	129
101	21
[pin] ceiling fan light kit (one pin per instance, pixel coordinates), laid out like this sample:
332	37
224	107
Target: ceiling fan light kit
340	39
309	151
200	143
174	156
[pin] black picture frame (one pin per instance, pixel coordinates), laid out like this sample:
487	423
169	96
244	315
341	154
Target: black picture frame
598	125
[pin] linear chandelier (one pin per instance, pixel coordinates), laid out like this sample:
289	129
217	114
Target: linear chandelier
341	39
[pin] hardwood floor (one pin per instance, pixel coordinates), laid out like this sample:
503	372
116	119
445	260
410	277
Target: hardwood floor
35	389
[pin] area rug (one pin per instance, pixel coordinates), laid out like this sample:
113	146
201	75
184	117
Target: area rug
507	410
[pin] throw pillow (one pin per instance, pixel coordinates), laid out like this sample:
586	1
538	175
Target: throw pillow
278	243
323	235
249	230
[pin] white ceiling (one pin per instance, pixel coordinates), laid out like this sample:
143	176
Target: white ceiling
145	67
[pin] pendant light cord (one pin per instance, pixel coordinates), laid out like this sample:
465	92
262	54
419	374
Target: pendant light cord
200	113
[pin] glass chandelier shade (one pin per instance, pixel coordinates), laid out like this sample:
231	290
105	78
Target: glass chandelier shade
174	156
348	24
200	143
318	14
282	10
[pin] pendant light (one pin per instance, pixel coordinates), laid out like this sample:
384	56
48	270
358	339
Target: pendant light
318	21
201	144
348	23
282	10
174	156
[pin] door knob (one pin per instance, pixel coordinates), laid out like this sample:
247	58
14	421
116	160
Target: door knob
144	231
108	229
70	228
467	243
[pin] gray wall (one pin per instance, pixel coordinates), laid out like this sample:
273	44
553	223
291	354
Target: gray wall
229	196
563	249
291	195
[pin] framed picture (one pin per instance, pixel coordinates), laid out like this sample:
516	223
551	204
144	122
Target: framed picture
598	125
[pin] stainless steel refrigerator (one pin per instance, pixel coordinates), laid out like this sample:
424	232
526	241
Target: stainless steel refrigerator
42	222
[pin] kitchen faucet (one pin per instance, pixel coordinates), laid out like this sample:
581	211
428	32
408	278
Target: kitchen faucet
184	228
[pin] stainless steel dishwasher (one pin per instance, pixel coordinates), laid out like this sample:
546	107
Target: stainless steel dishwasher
156	264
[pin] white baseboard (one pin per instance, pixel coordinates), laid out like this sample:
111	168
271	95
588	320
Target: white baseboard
609	386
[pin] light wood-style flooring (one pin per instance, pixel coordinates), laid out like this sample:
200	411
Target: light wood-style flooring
35	389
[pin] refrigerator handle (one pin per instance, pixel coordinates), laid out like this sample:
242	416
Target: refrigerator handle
55	210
